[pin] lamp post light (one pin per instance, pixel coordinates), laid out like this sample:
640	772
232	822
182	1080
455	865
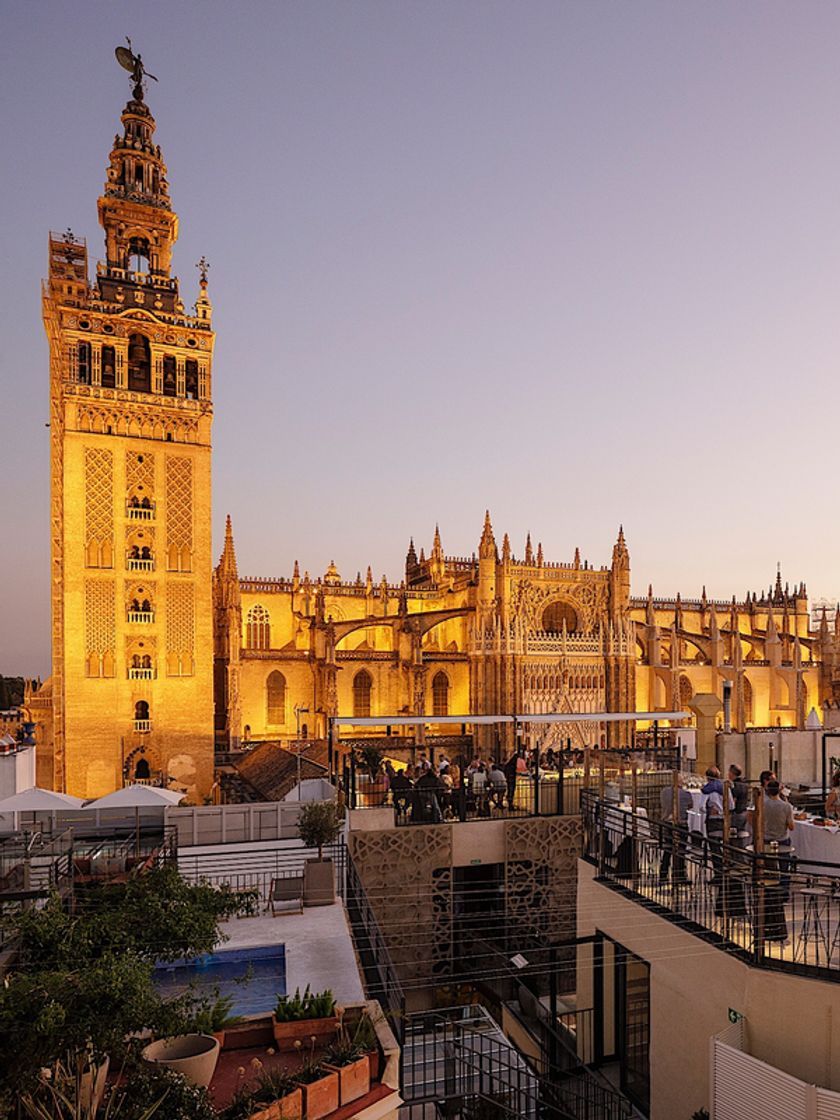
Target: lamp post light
299	709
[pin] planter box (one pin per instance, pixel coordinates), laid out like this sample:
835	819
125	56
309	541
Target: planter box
255	1032
321	1097
373	1061
353	1080
285	1034
289	1107
318	882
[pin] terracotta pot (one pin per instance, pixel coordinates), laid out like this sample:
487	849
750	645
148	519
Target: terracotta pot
320	1098
194	1056
285	1034
220	1038
373	1062
318	882
353	1079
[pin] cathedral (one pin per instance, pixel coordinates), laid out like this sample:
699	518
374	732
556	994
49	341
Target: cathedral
157	656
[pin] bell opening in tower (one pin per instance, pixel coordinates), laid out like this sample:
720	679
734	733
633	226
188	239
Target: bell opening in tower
139	364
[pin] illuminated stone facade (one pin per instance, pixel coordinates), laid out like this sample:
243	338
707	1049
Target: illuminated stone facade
492	633
130	420
146	637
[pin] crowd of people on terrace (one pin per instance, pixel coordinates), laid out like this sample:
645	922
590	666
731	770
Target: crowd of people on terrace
432	791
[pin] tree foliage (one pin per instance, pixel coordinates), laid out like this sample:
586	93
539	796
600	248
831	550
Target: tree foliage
319	824
83	980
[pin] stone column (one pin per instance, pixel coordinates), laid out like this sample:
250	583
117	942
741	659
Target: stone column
705	706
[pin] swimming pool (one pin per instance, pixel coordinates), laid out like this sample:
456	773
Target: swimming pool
253	978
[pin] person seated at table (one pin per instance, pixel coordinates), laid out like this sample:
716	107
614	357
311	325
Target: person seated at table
478	789
498	785
427	791
673	844
447	787
832	802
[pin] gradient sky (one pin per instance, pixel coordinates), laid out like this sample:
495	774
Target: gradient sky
577	262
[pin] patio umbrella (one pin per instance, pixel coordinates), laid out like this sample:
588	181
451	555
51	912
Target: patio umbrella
36	800
136	797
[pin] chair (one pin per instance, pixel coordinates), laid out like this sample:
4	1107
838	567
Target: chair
286	895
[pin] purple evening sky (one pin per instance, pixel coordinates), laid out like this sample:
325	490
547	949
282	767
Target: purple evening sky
577	262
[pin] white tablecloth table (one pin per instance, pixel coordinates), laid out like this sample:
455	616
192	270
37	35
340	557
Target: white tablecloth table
815	842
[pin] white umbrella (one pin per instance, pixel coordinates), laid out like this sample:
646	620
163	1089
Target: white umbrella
136	797
37	800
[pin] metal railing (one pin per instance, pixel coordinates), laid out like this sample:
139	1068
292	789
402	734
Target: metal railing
255	867
454	1059
755	905
539	792
381	979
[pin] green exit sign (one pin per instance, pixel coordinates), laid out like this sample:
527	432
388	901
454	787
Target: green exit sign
475	861
734	1016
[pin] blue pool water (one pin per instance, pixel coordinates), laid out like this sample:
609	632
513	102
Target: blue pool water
253	978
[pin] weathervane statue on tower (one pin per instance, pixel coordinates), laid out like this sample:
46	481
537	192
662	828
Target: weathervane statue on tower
133	63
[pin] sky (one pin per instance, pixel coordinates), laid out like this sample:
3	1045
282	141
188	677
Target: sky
577	263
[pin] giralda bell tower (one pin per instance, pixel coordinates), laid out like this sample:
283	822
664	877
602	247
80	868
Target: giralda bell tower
130	419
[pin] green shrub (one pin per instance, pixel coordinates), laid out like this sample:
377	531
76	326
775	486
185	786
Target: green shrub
293	1009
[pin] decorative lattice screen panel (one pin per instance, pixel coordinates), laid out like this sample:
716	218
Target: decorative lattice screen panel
99	496
179	502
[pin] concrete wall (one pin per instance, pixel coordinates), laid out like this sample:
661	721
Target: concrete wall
789	1020
796	755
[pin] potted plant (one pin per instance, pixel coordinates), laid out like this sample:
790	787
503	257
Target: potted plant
300	1018
364	1036
213	1017
319	824
346	1056
274	1097
373	789
194	1056
320	1090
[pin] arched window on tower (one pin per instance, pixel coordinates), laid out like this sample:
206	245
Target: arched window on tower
275	699
139	364
83	365
109	367
191	379
555	614
138	247
440	694
362	687
170	380
258	628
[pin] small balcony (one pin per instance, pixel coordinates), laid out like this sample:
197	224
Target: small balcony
141	674
143	725
135	565
140	513
141	616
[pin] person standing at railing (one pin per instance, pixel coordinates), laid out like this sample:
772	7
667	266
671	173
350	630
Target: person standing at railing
713	805
740	799
673	844
778	825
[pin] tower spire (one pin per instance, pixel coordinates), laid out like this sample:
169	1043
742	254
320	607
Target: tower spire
227	563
